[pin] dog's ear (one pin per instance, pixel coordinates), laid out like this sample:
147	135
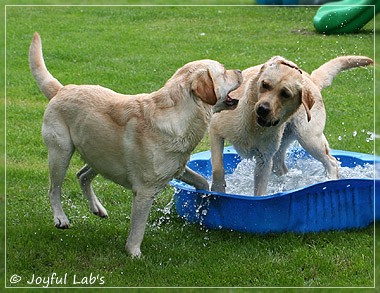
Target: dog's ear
203	88
307	101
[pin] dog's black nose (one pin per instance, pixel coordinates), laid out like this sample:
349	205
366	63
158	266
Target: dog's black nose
263	110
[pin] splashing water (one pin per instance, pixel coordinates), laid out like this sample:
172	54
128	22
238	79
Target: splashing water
304	171
166	215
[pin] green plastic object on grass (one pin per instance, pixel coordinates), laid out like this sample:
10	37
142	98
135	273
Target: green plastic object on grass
345	16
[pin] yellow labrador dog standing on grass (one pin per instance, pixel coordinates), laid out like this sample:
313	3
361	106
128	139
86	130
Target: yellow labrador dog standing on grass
269	116
138	141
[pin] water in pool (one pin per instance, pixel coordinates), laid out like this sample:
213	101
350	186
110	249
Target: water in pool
302	172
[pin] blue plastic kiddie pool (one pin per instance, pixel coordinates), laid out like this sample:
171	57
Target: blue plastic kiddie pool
330	205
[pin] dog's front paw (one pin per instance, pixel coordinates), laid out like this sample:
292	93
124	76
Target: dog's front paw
61	222
134	251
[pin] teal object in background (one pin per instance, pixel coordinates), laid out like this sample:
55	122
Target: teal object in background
345	16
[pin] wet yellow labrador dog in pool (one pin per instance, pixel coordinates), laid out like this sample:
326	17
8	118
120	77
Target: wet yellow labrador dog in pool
278	103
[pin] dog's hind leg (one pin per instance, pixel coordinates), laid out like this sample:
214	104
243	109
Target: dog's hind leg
59	160
85	177
318	148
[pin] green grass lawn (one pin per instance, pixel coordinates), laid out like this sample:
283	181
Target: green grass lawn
134	50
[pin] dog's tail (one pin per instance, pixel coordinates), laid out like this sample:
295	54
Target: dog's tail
46	82
324	75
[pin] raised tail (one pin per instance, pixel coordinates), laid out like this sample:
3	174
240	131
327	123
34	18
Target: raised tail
324	75
46	82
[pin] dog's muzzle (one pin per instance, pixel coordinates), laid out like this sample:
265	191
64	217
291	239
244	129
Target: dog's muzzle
262	112
230	102
265	123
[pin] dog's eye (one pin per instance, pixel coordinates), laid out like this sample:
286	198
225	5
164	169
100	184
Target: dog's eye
265	85
285	94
